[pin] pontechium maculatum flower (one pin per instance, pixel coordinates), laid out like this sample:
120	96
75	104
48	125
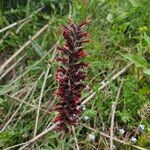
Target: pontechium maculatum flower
70	75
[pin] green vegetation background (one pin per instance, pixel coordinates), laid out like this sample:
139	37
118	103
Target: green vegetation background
120	34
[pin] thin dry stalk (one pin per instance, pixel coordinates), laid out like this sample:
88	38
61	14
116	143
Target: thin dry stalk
14	114
4	36
20	21
25	144
35	86
11	118
114	138
11	67
40	99
75	138
19	28
55	125
123	142
26	87
22	48
106	83
39	136
35	64
50	61
113	110
28	104
13	24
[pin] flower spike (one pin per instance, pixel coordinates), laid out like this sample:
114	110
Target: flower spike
70	75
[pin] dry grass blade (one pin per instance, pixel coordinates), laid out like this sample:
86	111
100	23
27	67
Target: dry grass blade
76	141
39	136
23	24
115	139
35	64
14	114
114	105
22	48
40	99
34	139
106	83
28	104
11	67
20	21
55	125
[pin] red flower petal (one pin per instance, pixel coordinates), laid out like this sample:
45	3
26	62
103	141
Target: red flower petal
81	54
64	49
69	77
87	21
84	34
64	60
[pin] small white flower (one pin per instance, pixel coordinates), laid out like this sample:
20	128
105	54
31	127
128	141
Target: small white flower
133	139
91	137
142	127
74	115
103	83
121	131
86	118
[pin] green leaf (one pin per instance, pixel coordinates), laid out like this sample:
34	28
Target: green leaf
110	18
139	61
35	68
122	16
125	116
134	3
38	49
90	113
147	39
146	71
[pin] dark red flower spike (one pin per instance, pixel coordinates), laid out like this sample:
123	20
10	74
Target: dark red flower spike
70	75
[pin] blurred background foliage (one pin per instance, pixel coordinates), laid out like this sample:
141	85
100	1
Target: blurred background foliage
120	34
